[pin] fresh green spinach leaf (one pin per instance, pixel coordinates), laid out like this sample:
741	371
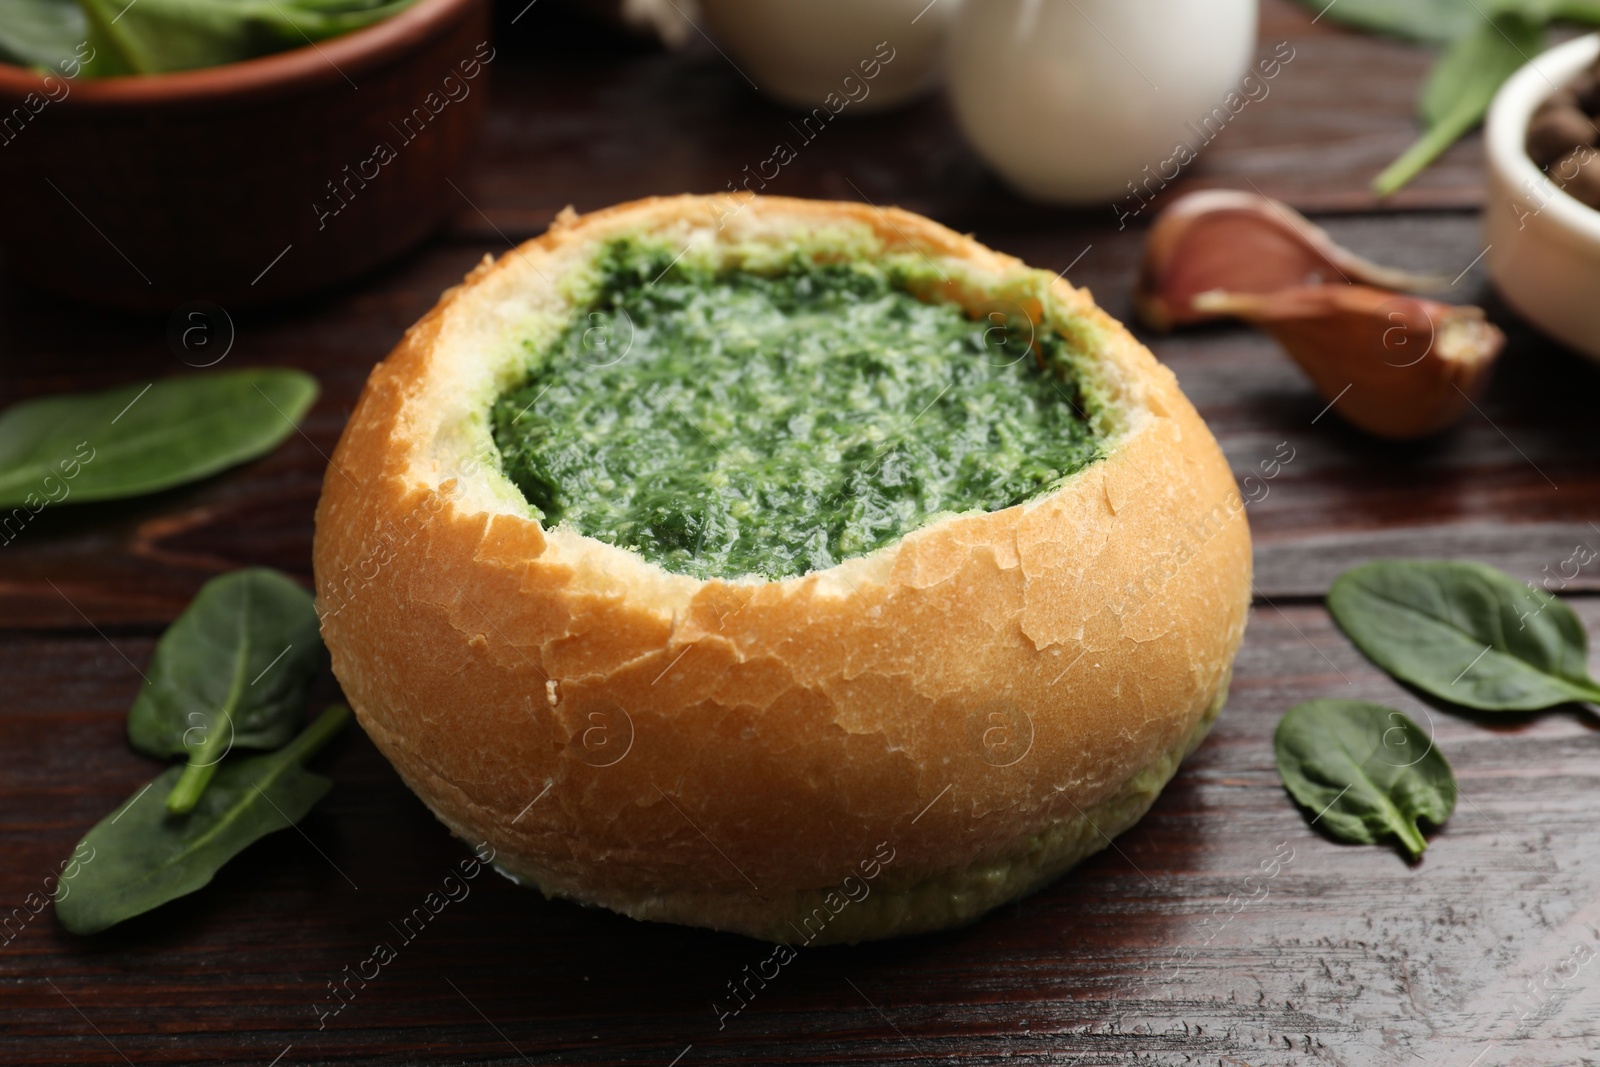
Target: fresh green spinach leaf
155	36
1466	633
1587	11
145	856
1443	21
231	673
1431	21
40	33
105	37
143	438
1475	65
1487	41
1460	87
1365	770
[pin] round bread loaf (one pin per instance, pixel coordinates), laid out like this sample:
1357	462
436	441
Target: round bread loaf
894	744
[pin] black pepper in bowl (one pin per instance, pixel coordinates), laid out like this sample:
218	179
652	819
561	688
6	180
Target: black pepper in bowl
1578	172
1563	134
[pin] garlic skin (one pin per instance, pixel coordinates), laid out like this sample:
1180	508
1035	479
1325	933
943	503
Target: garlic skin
1242	242
1399	367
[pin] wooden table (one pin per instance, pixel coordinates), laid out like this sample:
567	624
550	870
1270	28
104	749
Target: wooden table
1352	958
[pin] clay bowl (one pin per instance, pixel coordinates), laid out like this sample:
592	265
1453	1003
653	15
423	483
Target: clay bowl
245	183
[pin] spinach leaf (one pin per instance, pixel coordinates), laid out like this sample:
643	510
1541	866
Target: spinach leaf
40	33
1488	40
1366	770
145	856
1466	633
154	36
1443	21
231	673
1431	21
1473	67
143	438
1460	87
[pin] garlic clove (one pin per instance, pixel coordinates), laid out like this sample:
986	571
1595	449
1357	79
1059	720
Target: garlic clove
1395	366
1244	243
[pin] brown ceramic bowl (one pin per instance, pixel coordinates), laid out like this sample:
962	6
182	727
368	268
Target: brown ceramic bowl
244	183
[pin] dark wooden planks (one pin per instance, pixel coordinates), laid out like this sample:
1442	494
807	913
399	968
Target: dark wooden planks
1346	951
594	129
138	562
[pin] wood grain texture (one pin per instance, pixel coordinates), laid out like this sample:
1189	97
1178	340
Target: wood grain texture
1346	956
592	130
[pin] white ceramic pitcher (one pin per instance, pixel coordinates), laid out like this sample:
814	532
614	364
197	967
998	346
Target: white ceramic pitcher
1070	100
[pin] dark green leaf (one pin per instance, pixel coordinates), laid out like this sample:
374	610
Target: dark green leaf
1576	10
139	439
1365	772
230	673
1473	68
1466	633
1433	21
1443	21
144	856
1460	87
40	33
165	35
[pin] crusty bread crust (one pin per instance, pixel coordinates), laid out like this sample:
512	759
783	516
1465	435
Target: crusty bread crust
711	752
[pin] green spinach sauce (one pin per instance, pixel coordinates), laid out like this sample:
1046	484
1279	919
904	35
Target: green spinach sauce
732	423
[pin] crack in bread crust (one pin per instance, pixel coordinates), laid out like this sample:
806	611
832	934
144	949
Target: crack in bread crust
895	907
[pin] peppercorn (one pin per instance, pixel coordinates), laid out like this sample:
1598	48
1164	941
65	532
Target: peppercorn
1555	132
1578	173
1586	90
1564	133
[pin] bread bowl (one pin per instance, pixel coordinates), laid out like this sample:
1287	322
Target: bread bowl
893	743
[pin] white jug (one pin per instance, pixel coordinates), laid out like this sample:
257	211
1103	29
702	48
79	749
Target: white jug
1070	100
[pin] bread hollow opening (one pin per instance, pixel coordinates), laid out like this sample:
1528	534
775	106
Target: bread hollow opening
775	415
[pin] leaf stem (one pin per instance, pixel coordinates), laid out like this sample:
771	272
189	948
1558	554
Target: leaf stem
276	764
1410	837
1424	150
106	30
196	776
324	729
186	793
204	758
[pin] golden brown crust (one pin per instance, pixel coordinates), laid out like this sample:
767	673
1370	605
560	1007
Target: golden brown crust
765	737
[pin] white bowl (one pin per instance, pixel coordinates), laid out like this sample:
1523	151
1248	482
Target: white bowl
1544	246
1079	101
